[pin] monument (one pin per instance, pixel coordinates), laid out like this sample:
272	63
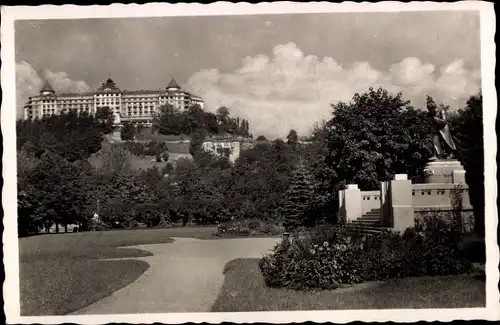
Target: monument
117	133
443	167
401	204
443	174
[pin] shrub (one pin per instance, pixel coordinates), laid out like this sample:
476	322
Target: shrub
248	228
435	250
329	257
304	266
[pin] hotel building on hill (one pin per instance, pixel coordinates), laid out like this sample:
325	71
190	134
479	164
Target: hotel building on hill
138	106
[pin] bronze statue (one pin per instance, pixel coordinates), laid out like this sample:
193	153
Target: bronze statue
442	141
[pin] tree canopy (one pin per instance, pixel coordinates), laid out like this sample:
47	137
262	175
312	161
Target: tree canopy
375	136
194	119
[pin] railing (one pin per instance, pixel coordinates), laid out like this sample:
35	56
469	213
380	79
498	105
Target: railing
436	195
370	200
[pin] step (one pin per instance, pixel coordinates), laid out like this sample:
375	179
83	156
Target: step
368	229
356	222
365	217
368	219
367	225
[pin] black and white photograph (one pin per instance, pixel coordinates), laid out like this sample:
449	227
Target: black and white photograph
245	162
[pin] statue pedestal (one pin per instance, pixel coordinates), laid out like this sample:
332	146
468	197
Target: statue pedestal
116	136
448	171
445	195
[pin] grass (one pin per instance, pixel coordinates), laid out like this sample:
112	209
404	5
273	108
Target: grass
61	273
244	290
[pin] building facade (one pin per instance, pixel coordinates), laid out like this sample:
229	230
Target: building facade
229	147
137	106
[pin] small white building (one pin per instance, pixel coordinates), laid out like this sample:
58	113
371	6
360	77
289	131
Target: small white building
227	148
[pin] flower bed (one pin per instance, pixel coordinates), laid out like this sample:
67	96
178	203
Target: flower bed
328	258
248	228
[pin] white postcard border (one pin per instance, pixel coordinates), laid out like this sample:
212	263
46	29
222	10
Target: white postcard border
9	194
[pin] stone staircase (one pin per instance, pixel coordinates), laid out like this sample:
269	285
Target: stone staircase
369	219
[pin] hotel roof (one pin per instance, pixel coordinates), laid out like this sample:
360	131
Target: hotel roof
82	94
47	88
110	86
173	84
141	91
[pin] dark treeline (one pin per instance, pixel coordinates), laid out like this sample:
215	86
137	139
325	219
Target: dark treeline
367	140
72	136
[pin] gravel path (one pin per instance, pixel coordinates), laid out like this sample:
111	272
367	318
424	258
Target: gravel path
184	276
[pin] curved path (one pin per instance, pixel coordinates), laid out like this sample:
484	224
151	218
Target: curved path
184	276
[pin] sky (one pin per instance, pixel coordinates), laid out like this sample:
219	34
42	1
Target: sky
278	71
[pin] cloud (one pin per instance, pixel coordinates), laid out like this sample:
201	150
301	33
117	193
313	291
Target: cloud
295	90
29	82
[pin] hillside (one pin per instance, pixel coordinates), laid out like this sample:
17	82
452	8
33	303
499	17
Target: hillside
175	151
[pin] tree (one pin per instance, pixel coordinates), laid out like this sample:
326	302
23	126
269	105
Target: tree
244	128
223	119
194	120
114	159
467	129
211	123
261	138
299	200
222	114
27	221
105	118
197	139
51	193
328	183
72	136
128	131
368	140
169	121
292	139
376	136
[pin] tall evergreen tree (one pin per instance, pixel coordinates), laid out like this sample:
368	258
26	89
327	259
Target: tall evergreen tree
299	201
292	138
197	139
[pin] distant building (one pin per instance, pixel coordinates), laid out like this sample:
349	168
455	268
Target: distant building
305	140
138	106
229	147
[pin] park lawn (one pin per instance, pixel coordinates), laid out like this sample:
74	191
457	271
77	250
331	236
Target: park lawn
61	273
244	290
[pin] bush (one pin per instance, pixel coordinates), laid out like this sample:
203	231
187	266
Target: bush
248	228
329	257
305	264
